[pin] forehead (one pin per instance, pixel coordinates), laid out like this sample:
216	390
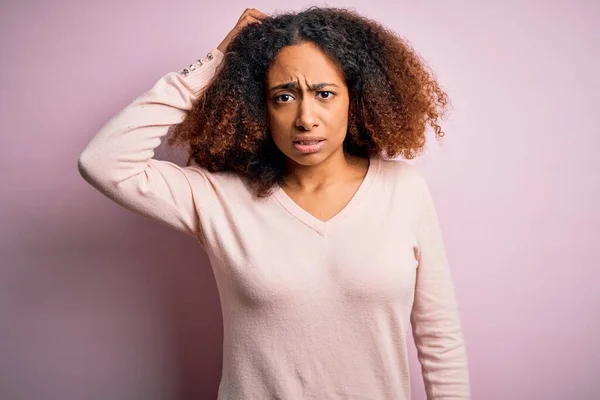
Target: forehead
305	61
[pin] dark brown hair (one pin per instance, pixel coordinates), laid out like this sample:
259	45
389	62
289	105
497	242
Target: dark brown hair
393	95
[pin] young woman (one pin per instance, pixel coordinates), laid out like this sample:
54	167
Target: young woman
324	249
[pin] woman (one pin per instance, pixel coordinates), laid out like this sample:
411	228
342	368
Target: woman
323	249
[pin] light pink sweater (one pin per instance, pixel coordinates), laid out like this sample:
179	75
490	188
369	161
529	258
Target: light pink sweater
311	309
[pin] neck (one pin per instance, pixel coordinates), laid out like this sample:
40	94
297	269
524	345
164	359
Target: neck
337	168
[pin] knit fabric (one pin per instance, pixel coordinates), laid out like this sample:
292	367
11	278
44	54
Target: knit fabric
311	309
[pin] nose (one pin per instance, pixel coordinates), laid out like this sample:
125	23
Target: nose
307	119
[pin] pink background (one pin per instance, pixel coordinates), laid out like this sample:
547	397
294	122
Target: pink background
98	303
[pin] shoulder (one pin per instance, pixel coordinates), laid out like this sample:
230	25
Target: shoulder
221	178
225	184
405	181
402	172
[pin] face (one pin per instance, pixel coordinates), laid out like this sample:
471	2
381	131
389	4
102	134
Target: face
307	104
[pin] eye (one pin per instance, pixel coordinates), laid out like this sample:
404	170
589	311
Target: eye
327	94
283	98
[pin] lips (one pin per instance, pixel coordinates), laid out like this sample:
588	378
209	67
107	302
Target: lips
308	144
309	140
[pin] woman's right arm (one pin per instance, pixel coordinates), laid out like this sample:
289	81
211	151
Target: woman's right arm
119	162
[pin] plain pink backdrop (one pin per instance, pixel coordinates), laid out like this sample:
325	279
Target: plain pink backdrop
98	303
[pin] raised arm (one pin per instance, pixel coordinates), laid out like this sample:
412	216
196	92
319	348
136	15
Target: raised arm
119	162
435	319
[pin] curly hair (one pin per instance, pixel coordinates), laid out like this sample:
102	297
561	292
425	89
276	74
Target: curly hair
393	95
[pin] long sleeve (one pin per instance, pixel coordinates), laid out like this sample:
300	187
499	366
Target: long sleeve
435	318
119	162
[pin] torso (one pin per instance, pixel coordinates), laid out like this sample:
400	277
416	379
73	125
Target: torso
302	297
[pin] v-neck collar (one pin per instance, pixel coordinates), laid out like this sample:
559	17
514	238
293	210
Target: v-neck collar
323	227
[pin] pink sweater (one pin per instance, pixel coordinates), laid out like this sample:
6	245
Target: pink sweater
311	309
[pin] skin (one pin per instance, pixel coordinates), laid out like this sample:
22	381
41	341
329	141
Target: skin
314	102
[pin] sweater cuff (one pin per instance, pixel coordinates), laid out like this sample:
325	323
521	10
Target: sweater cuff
198	74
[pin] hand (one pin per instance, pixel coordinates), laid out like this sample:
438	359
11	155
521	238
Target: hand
250	16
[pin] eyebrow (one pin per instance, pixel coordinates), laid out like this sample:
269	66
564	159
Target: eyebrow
294	85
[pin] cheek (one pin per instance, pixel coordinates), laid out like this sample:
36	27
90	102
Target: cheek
338	120
276	123
279	129
338	112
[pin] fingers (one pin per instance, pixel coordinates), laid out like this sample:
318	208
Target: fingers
252	13
249	16
257	14
250	20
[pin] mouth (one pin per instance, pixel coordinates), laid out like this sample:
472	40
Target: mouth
309	144
308	139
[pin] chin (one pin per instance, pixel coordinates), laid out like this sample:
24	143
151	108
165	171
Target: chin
308	160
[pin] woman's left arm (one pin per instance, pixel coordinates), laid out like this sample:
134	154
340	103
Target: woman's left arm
434	318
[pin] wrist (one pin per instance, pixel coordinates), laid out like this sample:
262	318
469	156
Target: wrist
199	73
